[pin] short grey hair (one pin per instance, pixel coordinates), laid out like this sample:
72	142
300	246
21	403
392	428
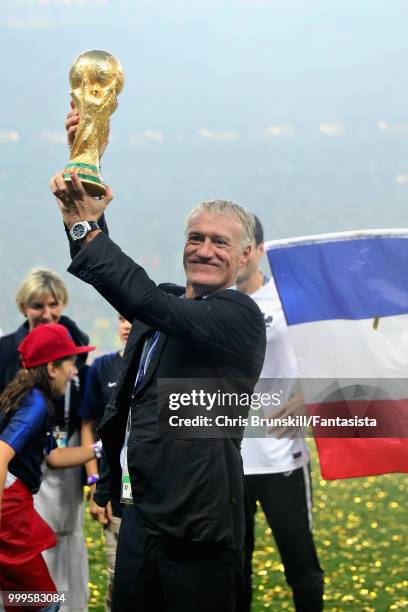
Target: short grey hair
227	208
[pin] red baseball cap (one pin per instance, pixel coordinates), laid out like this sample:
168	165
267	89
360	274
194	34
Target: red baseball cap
48	342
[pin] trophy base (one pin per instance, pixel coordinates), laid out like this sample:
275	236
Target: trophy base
89	176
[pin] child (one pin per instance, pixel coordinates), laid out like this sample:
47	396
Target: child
48	357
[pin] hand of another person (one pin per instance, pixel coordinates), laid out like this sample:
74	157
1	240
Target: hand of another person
74	202
89	492
71	125
293	408
102	515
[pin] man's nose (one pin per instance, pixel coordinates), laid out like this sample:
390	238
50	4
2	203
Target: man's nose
206	249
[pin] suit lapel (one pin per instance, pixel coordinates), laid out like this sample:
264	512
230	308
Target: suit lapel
133	351
128	369
153	362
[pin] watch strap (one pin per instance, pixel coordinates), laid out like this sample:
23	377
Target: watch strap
93	226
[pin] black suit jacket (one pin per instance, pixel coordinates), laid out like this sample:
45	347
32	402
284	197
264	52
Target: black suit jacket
190	489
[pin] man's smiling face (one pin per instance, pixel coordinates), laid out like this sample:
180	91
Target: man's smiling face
213	253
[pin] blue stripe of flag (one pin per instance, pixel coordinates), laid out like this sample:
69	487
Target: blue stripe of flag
356	278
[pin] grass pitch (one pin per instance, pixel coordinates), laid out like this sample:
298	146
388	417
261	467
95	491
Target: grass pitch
361	534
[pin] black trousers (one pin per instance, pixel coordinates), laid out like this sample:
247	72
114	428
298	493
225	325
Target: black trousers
285	499
158	574
128	588
191	577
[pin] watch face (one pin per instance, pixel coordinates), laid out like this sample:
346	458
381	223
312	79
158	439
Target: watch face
78	231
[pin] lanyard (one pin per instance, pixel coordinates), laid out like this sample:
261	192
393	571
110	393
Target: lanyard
61	433
67	404
147	353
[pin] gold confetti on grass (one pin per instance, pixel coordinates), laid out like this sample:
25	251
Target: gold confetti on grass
362	545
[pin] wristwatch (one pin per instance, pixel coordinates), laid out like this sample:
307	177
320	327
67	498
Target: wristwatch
79	230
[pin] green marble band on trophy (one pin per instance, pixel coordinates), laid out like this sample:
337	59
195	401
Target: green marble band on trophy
90	175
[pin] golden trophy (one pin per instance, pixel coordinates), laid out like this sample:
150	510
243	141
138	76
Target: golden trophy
96	79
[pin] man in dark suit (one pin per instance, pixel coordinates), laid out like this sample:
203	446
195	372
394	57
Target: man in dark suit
187	493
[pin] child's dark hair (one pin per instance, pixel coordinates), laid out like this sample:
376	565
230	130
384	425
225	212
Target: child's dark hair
23	382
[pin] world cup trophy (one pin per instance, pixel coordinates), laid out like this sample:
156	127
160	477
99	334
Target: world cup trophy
96	79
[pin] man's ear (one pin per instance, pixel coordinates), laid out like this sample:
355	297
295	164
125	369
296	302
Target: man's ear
245	255
259	252
51	370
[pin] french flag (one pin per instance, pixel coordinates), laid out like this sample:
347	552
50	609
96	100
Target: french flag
345	299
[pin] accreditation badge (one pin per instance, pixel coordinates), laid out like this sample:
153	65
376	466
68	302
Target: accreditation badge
126	492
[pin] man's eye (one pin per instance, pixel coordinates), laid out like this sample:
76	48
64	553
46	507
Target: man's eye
220	242
36	306
194	238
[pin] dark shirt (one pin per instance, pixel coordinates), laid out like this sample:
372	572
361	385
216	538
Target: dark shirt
28	432
99	384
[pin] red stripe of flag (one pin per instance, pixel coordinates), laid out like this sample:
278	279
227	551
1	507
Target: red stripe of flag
355	457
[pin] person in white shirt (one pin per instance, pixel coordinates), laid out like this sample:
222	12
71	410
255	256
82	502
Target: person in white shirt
276	467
